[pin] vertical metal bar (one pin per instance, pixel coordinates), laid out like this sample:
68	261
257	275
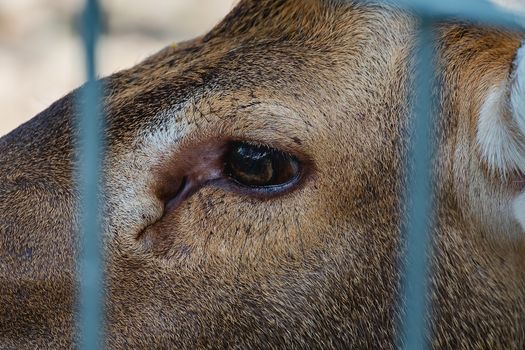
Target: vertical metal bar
90	148
419	194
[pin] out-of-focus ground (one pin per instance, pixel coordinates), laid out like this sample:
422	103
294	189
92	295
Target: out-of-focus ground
41	55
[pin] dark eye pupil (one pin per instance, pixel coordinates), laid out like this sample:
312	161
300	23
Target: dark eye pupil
258	166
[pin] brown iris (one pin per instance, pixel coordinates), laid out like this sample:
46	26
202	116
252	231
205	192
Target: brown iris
259	166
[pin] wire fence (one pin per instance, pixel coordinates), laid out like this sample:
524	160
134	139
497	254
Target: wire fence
413	329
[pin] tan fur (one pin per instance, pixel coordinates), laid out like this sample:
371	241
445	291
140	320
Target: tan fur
316	267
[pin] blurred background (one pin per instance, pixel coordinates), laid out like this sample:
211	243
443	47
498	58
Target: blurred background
41	56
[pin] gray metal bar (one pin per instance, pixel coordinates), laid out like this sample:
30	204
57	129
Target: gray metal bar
419	196
90	149
472	10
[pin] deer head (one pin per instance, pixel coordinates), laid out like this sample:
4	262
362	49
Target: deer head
252	187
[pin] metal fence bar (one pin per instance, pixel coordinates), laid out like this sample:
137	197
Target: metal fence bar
419	196
90	263
472	10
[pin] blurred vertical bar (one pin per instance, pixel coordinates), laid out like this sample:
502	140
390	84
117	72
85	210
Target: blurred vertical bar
414	328
90	125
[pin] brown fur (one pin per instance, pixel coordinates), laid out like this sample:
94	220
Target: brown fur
316	267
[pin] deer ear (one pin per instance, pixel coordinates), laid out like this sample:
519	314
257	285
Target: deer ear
517	107
501	132
501	123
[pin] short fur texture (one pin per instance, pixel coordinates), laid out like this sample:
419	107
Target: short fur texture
317	267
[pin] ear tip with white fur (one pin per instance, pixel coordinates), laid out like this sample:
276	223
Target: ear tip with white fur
501	122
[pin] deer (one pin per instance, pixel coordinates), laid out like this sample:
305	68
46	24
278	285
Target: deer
252	187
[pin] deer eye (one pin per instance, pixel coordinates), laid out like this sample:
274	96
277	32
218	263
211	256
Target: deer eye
259	166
